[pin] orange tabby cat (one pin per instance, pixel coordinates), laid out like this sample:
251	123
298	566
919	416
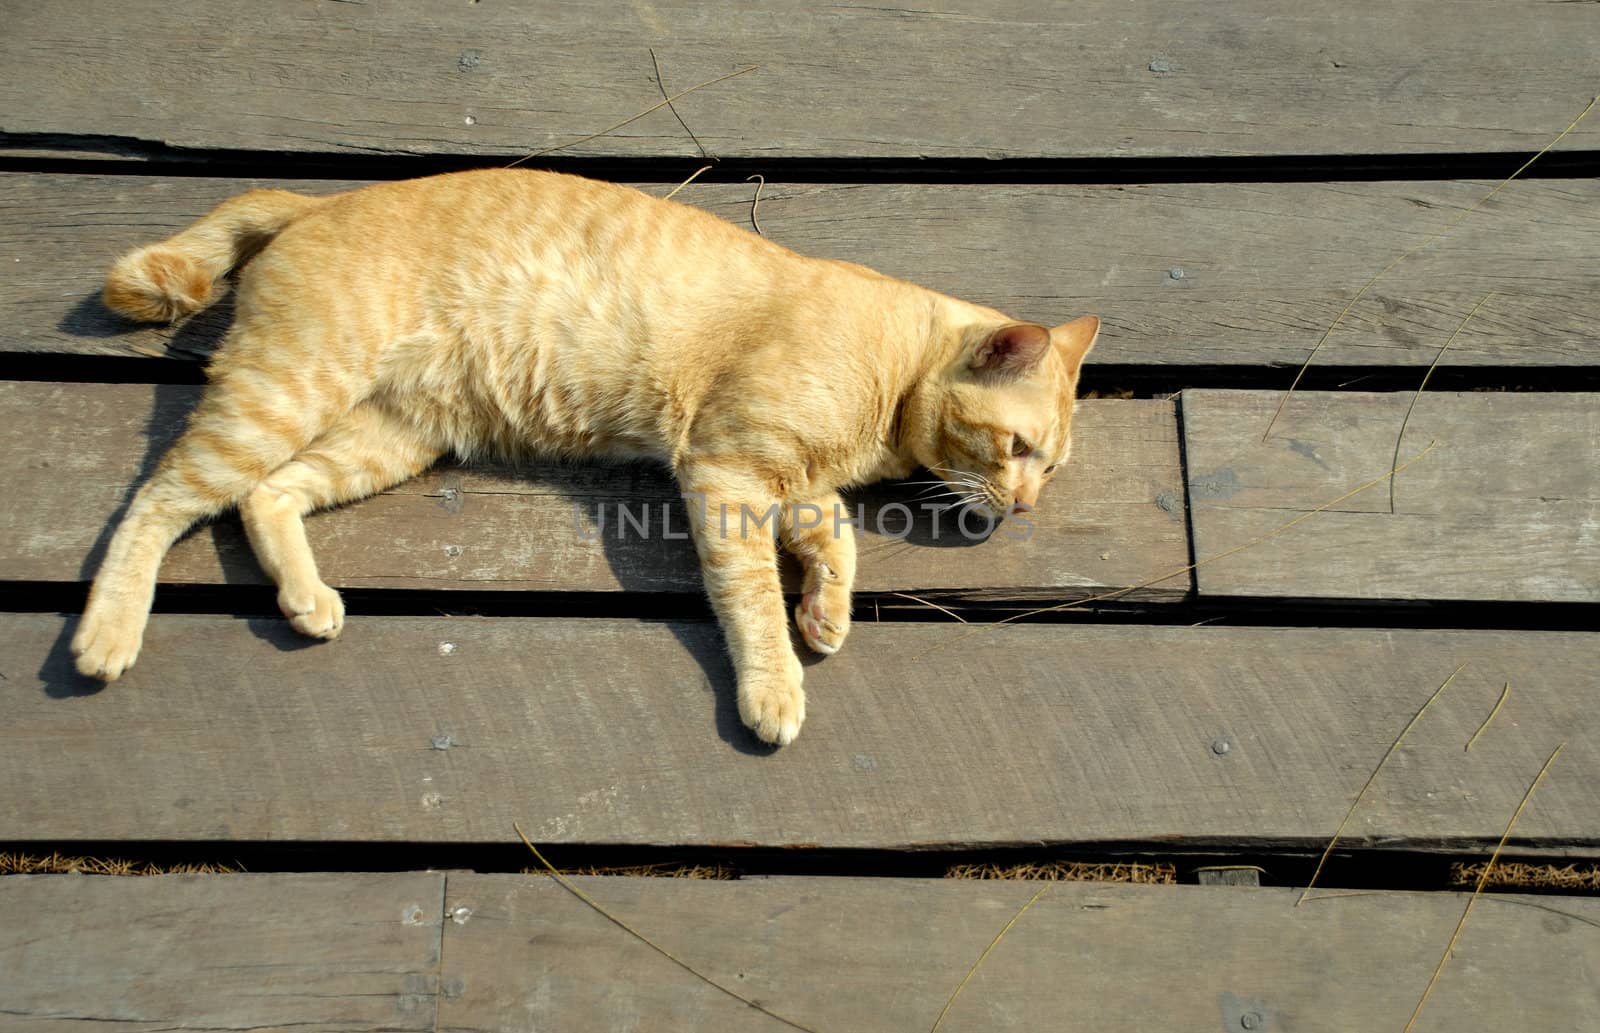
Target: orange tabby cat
517	312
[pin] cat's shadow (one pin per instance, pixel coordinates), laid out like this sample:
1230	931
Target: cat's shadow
171	404
888	520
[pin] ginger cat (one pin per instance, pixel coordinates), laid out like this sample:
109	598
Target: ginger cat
516	312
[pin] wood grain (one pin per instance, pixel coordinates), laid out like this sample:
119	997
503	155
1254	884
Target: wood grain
1183	274
471	952
1114	519
1016	79
313	952
885	954
1505	507
448	730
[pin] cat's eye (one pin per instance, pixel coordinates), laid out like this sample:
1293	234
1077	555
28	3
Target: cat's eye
1020	448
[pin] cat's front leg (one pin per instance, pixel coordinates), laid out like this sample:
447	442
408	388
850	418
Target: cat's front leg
735	524
819	534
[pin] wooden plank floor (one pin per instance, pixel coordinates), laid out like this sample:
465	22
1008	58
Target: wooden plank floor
320	952
1220	183
1116	520
1163	80
410	729
1185	274
514	952
1506	505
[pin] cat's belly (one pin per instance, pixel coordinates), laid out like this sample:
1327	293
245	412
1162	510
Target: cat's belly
525	397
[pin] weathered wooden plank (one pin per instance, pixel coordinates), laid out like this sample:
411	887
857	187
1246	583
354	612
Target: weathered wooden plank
346	952
1183	274
878	954
1115	519
623	732
1505	506
315	952
1025	78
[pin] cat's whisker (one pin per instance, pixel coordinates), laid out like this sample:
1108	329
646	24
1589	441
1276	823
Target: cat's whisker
965	481
976	481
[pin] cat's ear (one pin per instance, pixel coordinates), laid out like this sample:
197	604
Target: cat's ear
1075	339
1012	350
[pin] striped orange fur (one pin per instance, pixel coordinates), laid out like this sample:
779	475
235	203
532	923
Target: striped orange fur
514	312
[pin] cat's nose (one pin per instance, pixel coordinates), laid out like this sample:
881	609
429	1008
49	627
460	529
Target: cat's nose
1020	506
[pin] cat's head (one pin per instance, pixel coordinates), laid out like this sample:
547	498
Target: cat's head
996	424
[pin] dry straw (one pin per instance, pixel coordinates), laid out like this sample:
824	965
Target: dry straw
1452	224
1498	704
662	86
664	870
984	956
1400	438
1323	860
62	864
755	202
1070	871
932	605
1583	878
573	888
693	176
1477	890
629	121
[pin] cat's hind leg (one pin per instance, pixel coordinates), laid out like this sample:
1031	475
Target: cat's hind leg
236	437
820	536
366	451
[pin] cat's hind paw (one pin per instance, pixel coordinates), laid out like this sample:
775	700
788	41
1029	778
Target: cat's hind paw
823	615
316	611
107	644
822	632
773	706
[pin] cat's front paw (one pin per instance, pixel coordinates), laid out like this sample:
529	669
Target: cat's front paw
313	610
107	641
773	705
823	615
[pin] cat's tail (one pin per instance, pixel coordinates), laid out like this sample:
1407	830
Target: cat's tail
178	276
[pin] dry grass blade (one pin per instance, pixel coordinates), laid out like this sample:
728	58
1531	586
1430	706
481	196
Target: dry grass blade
1478	889
1407	254
1401	437
696	175
755	201
572	887
984	956
1500	703
662	86
1395	746
932	605
629	121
